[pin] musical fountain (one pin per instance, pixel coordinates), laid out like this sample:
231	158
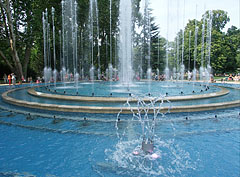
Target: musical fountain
129	127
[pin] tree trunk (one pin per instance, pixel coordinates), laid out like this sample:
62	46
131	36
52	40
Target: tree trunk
27	58
12	39
29	43
6	61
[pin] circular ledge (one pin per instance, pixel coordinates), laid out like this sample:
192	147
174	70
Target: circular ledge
100	109
33	92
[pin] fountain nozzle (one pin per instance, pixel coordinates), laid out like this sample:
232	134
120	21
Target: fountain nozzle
147	146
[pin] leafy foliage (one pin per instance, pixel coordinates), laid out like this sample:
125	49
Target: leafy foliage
27	26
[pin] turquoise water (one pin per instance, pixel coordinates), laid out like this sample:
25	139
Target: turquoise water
206	144
200	146
232	96
137	88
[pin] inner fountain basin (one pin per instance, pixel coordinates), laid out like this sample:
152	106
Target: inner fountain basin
216	97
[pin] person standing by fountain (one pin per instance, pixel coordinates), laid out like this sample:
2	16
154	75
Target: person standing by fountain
9	79
13	79
5	78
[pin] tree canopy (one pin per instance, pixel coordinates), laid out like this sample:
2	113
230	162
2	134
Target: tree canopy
21	38
224	45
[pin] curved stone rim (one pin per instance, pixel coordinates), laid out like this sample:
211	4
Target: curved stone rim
126	110
33	92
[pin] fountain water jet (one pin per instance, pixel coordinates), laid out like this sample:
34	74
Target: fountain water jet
195	52
166	68
147	121
125	43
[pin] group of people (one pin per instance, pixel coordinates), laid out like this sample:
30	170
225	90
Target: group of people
231	77
9	79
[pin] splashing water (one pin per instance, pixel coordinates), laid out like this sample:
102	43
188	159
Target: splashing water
128	156
172	159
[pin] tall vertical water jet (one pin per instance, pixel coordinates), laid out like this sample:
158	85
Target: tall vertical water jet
158	64
94	35
76	80
166	67
63	68
178	61
195	55
49	69
147	16
182	69
98	42
182	64
175	61
91	71
195	51
147	36
202	75
177	43
44	48
76	42
54	50
110	67
149	78
60	48
69	37
91	38
125	43
146	42
110	70
67	57
53	31
116	57
209	39
82	73
47	42
73	38
189	55
140	67
82	57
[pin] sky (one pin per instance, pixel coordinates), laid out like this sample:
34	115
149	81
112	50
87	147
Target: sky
194	9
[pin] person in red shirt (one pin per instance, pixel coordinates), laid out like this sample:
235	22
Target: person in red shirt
9	79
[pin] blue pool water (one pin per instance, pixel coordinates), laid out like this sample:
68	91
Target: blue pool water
137	88
207	144
233	95
200	146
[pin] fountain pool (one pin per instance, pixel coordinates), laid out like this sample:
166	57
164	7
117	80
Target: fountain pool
121	128
60	143
109	98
